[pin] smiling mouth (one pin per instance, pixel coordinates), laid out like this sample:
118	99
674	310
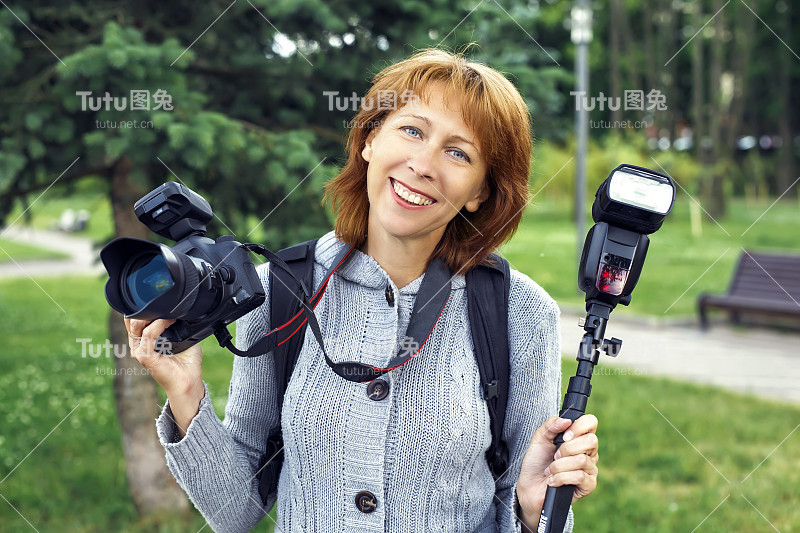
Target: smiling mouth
410	196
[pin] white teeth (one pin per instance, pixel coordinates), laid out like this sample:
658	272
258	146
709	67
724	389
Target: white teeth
410	197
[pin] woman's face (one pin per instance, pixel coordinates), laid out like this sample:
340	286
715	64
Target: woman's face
426	153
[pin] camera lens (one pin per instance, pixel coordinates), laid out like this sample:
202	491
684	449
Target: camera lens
147	279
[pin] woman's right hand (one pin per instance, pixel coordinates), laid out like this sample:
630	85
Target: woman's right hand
180	374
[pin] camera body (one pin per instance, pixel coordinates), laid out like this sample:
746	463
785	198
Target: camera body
204	284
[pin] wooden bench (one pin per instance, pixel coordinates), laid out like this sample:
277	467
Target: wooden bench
764	284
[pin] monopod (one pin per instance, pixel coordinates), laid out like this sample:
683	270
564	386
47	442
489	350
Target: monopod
628	206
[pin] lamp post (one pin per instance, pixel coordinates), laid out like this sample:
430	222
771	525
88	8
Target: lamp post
581	37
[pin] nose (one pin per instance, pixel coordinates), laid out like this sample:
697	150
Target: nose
422	163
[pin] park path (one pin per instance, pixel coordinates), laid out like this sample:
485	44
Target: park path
756	361
752	360
83	257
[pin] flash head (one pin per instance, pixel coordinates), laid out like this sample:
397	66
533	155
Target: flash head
634	198
174	211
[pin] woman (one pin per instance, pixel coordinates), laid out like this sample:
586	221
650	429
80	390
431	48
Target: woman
444	176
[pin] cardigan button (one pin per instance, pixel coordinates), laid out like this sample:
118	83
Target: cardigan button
389	295
366	501
377	390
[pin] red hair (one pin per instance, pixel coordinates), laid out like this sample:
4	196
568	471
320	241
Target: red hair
495	112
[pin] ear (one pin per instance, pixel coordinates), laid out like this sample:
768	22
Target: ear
366	152
474	203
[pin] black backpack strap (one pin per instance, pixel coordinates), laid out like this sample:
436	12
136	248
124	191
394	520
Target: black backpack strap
283	306
488	287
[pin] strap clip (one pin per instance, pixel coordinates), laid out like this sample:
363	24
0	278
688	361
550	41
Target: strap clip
490	390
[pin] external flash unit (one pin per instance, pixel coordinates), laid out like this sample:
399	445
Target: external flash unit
629	205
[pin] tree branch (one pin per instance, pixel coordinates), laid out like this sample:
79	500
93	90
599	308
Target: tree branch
74	176
222	72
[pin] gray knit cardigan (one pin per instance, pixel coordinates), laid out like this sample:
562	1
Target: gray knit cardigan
419	452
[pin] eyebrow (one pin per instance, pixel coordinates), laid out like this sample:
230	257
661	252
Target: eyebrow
427	121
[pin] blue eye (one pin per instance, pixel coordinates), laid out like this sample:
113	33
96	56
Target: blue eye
461	155
410	130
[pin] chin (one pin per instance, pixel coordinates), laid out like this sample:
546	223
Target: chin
400	228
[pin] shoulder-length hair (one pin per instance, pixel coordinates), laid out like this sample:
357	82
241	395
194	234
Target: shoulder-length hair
495	112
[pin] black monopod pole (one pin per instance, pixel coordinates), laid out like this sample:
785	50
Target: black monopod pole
558	499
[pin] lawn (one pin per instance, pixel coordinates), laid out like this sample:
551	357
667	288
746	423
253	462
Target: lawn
652	478
25	252
679	263
89	194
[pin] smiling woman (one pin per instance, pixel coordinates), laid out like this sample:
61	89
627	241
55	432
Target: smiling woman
420	160
404	442
462	141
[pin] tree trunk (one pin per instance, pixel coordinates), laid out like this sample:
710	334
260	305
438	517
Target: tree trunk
649	50
698	85
651	43
786	154
744	27
628	69
152	486
669	84
714	199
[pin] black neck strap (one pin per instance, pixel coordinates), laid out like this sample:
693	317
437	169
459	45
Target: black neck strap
431	299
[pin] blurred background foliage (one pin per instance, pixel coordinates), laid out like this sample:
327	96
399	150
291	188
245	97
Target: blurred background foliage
250	118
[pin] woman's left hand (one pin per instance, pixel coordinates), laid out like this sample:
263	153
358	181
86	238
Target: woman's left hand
575	462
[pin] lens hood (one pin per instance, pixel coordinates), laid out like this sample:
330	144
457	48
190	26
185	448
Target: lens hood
148	280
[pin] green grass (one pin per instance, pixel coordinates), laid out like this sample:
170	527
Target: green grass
25	252
545	248
75	480
651	478
89	194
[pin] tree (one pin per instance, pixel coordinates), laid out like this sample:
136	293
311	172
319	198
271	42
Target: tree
233	108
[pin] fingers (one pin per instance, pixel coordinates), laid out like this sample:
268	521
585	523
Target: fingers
548	431
575	462
156	328
145	329
578	470
584	481
584	424
585	444
135	326
572	463
143	335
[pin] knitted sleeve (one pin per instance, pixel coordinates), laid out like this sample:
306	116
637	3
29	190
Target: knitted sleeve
216	462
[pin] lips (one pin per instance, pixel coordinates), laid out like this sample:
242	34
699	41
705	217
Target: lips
413	195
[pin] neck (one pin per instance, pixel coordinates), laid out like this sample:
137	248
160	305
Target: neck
403	259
